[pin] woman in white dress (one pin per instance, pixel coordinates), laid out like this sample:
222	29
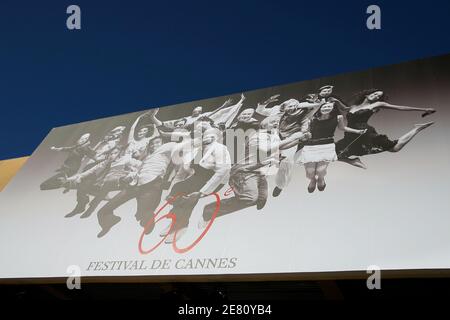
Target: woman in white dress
320	149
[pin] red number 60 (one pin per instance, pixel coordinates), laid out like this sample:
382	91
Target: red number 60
172	217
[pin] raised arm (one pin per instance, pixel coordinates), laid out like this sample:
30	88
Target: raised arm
133	129
343	108
150	113
263	142
294	140
241	101
63	148
385	105
227	103
261	108
309	105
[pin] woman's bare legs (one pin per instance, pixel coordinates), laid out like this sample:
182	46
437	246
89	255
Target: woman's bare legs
403	140
354	162
321	171
310	169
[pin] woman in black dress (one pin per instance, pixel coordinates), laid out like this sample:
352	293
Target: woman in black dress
371	142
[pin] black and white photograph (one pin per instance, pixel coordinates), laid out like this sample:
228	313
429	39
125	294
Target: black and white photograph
256	182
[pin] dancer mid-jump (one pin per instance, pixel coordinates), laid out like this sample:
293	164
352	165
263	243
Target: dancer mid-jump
320	150
353	145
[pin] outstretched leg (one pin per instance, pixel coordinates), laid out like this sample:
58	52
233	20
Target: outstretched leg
147	202
106	217
251	191
99	197
227	206
354	162
403	140
82	201
283	176
55	182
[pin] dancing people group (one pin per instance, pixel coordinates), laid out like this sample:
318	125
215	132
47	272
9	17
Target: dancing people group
196	156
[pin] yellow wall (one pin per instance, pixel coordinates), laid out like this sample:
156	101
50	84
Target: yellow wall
8	168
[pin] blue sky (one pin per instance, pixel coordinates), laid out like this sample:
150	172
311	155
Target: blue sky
132	54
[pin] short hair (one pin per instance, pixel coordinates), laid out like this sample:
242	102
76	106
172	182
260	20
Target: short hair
333	112
290	102
118	128
326	87
213	131
88	135
265	122
150	127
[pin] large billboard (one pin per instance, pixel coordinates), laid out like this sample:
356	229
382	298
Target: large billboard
328	175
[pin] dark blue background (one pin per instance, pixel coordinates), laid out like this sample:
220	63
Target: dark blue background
131	55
